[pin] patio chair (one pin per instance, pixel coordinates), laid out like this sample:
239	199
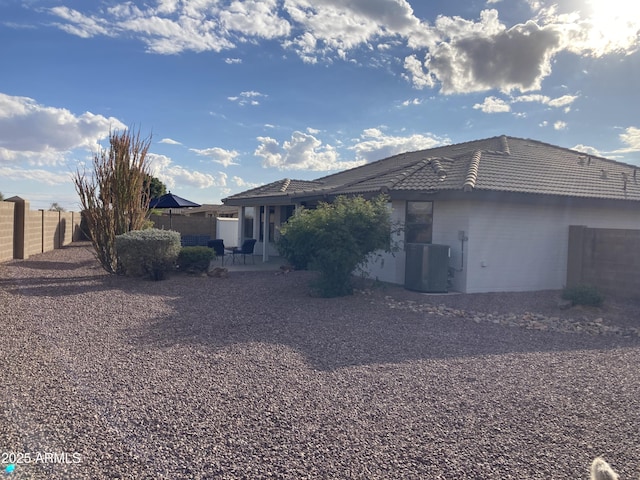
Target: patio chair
244	250
218	247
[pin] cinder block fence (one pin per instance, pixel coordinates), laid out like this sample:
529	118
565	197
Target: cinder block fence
607	258
25	232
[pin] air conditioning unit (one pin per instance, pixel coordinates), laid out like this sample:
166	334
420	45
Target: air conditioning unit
427	267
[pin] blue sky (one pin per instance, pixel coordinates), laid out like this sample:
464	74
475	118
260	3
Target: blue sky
238	93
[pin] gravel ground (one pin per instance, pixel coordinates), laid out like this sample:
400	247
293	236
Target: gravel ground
251	377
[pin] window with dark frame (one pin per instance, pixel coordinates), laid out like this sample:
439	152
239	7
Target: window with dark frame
419	222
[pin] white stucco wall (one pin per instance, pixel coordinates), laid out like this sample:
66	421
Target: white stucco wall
510	246
523	247
389	267
449	219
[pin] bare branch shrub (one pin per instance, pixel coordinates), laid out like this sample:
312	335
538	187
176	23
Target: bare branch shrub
115	197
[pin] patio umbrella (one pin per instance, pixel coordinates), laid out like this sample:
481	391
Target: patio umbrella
169	200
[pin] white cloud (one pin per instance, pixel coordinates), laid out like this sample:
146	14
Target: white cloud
563	101
486	55
560	125
588	150
533	98
79	24
218	155
374	144
599	27
457	54
416	73
415	101
240	182
35	175
254	18
631	138
170	141
232	61
493	105
45	135
334	27
247	98
302	152
173	175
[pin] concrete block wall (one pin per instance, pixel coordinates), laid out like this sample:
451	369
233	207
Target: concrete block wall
606	258
25	232
33	235
6	230
50	230
186	225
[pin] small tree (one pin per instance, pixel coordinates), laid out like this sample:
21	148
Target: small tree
335	238
56	207
115	199
156	187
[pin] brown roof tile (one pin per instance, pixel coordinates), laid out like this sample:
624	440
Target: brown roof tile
507	164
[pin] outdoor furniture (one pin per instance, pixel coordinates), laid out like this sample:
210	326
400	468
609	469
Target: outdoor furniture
244	250
218	247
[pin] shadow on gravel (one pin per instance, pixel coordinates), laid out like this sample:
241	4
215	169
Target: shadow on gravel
336	333
263	308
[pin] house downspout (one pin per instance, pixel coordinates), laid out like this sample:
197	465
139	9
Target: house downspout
462	236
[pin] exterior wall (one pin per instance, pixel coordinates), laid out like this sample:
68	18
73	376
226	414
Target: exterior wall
6	230
451	227
33	233
524	246
67	231
509	245
25	232
606	258
50	230
186	225
390	267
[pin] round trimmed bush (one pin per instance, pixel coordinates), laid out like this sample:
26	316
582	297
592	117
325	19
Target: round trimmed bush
150	252
195	259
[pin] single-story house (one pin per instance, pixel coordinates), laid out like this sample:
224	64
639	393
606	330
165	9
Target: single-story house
503	205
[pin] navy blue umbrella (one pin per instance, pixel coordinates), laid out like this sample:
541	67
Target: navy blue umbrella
169	200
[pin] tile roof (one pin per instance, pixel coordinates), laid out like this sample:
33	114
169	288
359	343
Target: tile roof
505	164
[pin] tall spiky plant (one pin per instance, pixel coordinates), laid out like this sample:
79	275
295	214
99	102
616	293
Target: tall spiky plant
115	198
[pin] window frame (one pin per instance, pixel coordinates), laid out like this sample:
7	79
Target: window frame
413	229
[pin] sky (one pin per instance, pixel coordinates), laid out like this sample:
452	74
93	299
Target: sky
233	94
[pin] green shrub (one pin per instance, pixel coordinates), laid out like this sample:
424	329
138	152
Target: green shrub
335	238
149	252
583	295
296	246
195	259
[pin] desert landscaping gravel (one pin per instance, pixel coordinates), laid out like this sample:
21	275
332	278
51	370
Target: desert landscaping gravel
251	377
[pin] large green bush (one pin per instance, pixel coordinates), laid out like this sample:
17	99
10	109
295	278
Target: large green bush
195	259
149	252
335	238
